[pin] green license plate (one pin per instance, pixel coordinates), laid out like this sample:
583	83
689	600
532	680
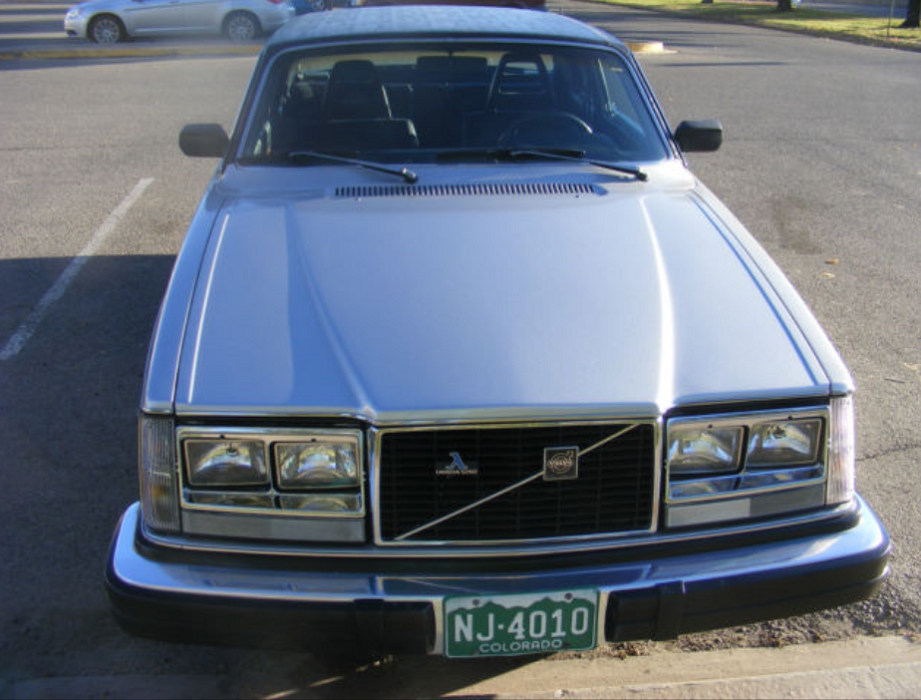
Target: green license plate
508	625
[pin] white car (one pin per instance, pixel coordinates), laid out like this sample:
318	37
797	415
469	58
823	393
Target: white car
111	21
458	357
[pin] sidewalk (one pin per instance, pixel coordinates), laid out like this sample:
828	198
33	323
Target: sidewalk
883	667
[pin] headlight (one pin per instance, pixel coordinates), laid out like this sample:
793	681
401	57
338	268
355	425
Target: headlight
272	473
320	464
704	449
73	13
735	467
226	463
783	443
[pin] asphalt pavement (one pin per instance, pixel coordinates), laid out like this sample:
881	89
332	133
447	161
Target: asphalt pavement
34	29
864	667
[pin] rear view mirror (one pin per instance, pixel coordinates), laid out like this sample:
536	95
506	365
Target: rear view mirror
203	140
699	135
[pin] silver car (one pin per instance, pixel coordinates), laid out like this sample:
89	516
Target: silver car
111	21
458	357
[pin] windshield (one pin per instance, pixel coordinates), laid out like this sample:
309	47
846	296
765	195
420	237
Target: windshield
421	103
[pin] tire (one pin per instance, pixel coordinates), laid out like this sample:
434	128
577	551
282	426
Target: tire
106	29
241	26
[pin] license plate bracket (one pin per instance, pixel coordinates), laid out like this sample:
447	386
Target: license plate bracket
515	624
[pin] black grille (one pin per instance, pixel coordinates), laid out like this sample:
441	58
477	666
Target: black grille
613	493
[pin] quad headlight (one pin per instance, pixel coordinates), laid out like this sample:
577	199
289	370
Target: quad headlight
732	467
704	449
783	443
226	463
307	472
322	463
303	485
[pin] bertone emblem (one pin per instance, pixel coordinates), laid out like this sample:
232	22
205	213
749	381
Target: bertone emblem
457	465
561	463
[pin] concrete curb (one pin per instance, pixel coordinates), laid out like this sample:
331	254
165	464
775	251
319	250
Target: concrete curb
646	47
144	52
865	667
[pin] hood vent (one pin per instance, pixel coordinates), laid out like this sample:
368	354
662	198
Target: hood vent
476	190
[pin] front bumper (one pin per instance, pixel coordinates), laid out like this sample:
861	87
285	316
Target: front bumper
75	26
351	605
276	16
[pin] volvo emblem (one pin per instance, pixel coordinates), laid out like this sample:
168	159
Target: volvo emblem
457	465
561	463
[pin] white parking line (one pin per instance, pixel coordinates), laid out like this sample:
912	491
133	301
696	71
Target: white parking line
25	331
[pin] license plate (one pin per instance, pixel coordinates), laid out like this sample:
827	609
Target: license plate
508	625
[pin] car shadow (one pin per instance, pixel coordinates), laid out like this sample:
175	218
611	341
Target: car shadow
68	413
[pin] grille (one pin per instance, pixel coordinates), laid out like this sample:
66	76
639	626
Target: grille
476	189
614	492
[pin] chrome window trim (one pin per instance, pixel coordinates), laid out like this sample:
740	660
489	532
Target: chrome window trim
375	437
745	420
268	436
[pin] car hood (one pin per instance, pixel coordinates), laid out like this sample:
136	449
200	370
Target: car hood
484	305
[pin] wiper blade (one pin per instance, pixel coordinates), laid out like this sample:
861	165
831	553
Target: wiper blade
505	153
571	156
405	173
565	154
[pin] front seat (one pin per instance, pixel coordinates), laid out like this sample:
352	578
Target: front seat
355	91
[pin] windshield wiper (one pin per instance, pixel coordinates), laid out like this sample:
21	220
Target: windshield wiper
565	154
405	173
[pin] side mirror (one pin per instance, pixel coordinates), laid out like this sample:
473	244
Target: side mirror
700	135
203	140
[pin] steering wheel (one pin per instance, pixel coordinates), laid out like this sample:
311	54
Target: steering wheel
545	129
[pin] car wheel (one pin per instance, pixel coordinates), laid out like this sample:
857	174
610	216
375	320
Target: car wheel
106	29
241	26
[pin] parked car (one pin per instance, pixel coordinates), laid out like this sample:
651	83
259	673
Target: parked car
111	21
459	358
302	7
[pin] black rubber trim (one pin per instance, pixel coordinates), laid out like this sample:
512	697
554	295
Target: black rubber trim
666	611
377	626
359	627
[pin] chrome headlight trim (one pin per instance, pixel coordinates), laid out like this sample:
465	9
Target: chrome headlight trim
759	488
220	500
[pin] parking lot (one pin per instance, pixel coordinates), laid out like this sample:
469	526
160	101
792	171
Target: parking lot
820	161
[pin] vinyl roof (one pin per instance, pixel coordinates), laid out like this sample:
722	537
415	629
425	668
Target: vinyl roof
424	21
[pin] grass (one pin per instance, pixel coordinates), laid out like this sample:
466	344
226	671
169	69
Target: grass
833	25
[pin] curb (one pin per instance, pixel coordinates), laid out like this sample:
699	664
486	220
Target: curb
864	667
146	52
646	47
